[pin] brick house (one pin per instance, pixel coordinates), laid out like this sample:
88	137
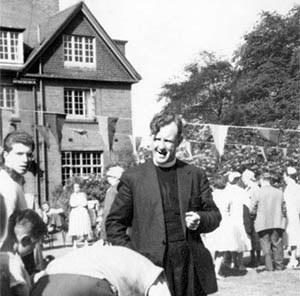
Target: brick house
66	82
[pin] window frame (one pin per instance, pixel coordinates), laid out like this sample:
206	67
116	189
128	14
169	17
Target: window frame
4	91
76	49
70	165
18	45
87	95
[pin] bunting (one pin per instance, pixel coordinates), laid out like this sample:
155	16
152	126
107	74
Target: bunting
273	136
55	122
219	133
111	125
44	132
187	147
263	153
5	124
103	130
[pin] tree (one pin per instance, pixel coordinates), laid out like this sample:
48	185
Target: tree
206	93
267	83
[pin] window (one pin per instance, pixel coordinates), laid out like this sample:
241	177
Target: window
79	51
82	164
11	47
79	103
7	97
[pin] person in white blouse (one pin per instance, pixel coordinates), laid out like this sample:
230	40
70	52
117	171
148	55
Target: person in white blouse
292	201
101	271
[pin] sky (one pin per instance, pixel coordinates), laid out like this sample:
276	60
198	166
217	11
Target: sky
166	35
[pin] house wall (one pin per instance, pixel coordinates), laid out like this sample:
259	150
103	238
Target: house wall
112	84
27	14
112	100
108	68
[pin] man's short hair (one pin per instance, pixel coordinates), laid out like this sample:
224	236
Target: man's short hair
17	137
160	120
29	217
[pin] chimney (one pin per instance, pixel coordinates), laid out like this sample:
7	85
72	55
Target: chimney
121	45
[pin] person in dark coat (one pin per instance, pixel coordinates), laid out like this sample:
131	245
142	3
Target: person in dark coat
168	204
268	208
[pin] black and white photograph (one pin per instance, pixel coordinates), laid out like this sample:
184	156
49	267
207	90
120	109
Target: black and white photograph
149	148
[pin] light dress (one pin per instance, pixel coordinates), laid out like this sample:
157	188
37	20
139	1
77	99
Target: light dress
237	199
292	201
221	239
79	219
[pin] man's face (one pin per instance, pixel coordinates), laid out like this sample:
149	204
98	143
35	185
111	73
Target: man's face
18	158
165	143
25	243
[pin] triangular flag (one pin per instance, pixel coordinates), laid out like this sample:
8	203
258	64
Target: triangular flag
271	135
219	133
132	140
262	151
187	146
103	130
44	132
112	121
55	121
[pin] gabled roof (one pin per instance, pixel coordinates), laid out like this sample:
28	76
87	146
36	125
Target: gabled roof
58	22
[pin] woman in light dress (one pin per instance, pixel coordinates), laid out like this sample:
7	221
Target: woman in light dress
239	217
79	219
292	201
220	240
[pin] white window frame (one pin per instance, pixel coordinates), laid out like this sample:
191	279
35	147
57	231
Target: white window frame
8	102
74	164
19	59
73	44
88	103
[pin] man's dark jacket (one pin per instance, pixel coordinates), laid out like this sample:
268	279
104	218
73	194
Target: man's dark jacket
138	204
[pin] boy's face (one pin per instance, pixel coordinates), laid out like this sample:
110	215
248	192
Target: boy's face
25	243
18	158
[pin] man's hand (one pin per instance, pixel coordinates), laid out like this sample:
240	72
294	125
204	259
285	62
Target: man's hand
192	220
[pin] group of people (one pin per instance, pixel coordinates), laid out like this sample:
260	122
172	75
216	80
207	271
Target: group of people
256	217
157	217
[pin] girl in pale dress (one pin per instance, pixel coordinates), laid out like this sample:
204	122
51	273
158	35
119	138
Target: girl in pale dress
79	219
292	202
220	240
238	203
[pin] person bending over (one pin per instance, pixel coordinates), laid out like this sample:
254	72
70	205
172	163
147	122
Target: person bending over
101	271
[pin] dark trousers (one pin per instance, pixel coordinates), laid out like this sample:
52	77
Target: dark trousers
71	285
272	247
180	271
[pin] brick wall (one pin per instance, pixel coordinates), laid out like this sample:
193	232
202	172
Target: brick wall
112	100
27	14
108	68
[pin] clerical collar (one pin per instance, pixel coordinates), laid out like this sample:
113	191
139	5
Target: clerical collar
14	175
165	165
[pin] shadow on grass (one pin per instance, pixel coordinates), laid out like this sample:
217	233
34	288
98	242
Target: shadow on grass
54	247
227	271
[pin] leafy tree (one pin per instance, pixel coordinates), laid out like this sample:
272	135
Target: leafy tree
261	87
205	94
267	83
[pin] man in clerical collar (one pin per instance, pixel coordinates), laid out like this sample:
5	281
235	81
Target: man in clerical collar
17	152
168	204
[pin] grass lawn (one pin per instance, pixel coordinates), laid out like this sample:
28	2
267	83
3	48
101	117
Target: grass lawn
283	283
